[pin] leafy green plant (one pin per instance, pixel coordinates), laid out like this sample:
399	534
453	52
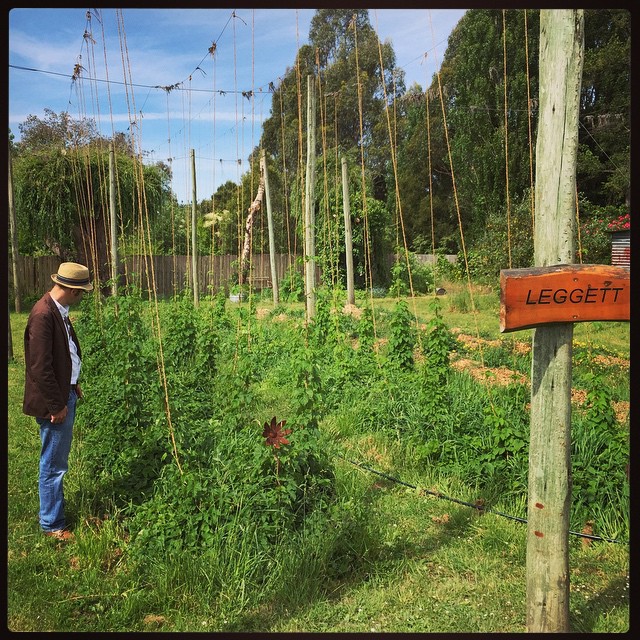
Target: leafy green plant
409	273
306	396
402	336
600	453
292	284
126	441
437	344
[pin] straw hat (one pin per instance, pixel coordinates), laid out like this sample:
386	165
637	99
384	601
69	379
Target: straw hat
73	276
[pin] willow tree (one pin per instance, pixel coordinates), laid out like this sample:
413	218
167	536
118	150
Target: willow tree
62	192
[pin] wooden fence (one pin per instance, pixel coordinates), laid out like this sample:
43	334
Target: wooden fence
171	274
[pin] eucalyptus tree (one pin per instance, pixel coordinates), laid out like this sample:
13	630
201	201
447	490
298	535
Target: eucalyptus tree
356	79
490	153
428	219
605	110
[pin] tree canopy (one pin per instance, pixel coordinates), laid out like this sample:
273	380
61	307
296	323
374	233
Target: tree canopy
424	165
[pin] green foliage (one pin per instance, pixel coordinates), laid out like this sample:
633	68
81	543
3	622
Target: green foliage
178	343
600	452
218	493
408	274
594	245
437	344
292	284
366	331
241	524
307	392
126	439
53	197
402	336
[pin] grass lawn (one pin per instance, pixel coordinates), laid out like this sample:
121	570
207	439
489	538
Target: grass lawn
431	565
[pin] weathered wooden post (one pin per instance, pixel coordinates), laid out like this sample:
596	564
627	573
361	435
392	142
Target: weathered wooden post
551	297
549	498
348	242
10	345
309	212
272	243
194	237
14	240
112	219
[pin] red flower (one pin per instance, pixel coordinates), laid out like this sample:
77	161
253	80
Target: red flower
622	223
274	433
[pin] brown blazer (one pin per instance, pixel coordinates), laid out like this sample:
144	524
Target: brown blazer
47	360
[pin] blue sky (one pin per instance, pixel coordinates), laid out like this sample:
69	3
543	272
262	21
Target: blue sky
130	57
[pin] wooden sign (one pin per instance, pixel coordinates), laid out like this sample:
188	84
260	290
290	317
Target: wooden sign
563	293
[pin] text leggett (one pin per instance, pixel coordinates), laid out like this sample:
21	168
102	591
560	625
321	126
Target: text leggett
590	295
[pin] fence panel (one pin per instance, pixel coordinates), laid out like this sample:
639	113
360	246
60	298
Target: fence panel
171	274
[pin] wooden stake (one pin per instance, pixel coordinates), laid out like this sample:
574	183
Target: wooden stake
309	212
549	498
14	241
112	221
194	231
348	243
272	244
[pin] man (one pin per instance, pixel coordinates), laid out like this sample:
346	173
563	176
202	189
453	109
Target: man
52	368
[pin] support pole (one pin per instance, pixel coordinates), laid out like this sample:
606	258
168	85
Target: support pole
272	243
309	217
10	338
194	245
14	240
112	212
549	494
348	243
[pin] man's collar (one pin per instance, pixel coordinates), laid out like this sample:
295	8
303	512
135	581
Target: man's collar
63	310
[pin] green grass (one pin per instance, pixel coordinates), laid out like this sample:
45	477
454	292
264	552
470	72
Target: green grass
407	562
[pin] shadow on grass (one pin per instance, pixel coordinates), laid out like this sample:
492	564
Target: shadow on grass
586	615
357	555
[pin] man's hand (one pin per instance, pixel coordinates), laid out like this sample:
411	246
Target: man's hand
79	392
57	418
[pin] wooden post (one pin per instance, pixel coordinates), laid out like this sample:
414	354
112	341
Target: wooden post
194	245
10	337
348	244
309	217
112	210
549	495
272	243
14	241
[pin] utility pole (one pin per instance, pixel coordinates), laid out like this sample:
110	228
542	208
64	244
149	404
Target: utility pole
112	210
348	243
549	491
194	246
272	243
309	213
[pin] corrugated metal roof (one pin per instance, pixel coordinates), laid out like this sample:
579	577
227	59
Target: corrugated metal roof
621	249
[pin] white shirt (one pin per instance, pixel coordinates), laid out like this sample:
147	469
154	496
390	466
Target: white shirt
73	349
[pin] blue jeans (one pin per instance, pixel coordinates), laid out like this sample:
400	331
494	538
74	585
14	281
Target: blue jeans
54	462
